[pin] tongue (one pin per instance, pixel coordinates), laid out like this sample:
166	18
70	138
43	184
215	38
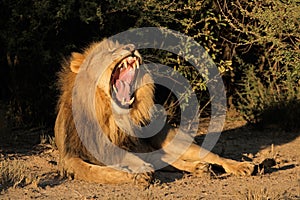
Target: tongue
122	84
123	88
127	74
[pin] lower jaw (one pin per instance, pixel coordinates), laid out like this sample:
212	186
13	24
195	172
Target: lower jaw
119	110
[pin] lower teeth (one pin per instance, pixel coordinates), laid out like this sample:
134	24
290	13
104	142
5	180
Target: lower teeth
127	103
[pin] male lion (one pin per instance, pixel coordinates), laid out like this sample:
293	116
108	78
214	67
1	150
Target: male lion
123	100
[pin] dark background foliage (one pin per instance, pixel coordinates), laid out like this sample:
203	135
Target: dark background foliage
254	43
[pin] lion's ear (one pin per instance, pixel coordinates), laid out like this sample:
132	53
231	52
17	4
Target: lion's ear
76	61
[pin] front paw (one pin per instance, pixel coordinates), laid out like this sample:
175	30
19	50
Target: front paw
144	175
201	169
239	168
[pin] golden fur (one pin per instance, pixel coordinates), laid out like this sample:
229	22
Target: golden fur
76	161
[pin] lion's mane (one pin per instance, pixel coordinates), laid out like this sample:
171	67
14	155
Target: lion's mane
67	138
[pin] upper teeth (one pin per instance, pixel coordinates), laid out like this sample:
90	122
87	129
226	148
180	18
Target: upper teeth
125	64
135	65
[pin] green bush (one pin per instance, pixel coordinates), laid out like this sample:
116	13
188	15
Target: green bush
266	101
254	43
267	36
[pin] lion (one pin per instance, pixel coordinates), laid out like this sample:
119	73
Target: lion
124	96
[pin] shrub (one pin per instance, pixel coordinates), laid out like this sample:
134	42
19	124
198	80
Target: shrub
267	36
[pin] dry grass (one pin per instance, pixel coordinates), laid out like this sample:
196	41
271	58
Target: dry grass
260	194
47	139
12	174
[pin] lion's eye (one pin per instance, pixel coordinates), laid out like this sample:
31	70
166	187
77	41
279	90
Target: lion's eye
129	47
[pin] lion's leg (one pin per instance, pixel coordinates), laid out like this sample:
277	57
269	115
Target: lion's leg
195	153
196	167
176	146
79	169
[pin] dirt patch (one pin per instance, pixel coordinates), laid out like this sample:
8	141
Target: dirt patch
282	181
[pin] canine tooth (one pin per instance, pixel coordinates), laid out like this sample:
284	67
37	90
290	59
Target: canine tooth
123	101
137	64
125	64
115	89
134	65
120	65
131	101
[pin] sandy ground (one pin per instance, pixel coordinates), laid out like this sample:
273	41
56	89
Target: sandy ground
281	181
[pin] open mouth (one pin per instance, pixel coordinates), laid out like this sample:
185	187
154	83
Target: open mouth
123	81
